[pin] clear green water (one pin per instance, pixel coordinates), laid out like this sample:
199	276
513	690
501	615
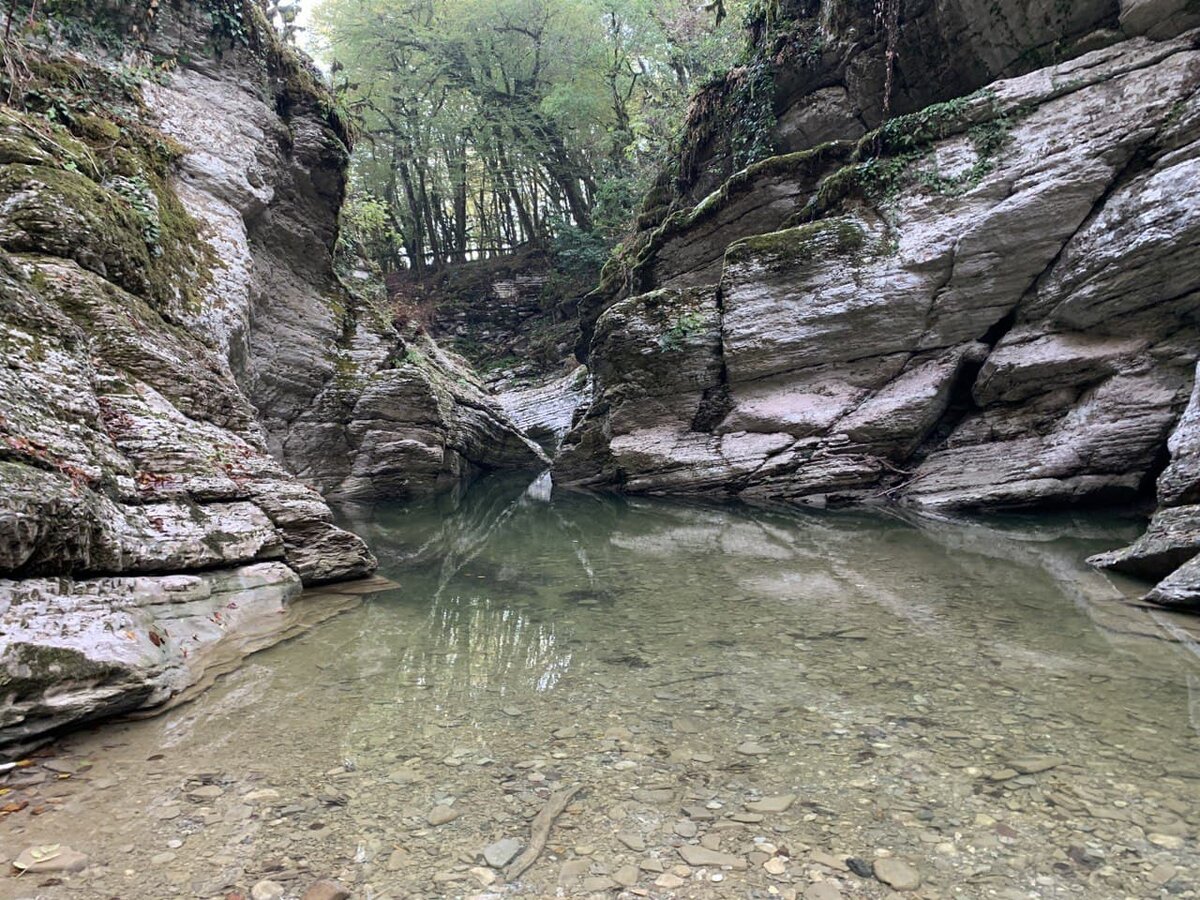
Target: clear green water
894	675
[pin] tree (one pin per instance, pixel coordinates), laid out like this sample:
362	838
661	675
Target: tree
492	124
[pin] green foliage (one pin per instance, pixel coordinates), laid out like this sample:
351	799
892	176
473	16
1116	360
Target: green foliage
919	129
889	159
753	123
490	124
89	125
578	254
231	21
686	326
136	191
367	229
987	139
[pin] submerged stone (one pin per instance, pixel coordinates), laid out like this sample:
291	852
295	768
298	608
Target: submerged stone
502	852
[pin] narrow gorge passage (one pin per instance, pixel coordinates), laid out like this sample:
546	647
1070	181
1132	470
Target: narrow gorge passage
599	449
752	703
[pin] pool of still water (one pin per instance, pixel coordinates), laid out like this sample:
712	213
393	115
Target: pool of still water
753	704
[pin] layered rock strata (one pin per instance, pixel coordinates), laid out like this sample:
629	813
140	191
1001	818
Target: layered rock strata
988	303
177	349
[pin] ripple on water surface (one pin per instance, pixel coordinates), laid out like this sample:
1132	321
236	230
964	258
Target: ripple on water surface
754	704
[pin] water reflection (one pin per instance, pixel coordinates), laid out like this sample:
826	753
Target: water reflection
502	576
885	668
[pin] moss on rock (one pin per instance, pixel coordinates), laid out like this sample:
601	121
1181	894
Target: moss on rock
61	212
32	669
782	250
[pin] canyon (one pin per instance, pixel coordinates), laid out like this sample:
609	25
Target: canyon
965	280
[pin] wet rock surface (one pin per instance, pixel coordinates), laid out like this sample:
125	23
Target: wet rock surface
753	704
1171	544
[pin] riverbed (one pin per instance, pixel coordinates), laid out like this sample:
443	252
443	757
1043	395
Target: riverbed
751	703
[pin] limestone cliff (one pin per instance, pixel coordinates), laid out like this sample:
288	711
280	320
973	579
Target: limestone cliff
988	302
177	348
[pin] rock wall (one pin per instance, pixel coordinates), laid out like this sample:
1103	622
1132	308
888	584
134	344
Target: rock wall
176	350
819	71
347	404
990	302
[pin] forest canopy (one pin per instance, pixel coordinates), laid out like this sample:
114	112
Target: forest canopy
488	125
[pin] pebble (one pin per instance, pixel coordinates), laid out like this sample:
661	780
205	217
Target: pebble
821	858
777	804
50	858
237	813
1166	841
440	815
1032	765
897	874
485	877
654	795
747	818
325	890
1162	873
668	881
266	890
751	748
502	852
775	866
686	828
822	890
633	841
626	876
574	868
860	867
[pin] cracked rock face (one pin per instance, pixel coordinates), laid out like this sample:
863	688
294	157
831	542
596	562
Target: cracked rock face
344	401
1002	315
164	372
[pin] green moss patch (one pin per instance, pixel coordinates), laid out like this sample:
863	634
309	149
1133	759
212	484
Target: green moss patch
63	213
88	179
792	247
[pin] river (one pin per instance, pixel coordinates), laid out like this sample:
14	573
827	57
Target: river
752	703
